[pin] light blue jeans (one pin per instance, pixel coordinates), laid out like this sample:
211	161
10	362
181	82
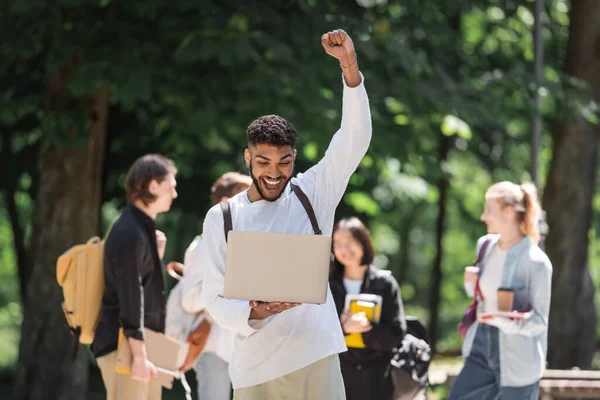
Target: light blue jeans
480	377
212	376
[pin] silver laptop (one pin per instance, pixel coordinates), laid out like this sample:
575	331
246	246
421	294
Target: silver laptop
285	267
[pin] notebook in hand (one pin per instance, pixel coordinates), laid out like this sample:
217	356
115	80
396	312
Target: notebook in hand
167	355
370	304
508	314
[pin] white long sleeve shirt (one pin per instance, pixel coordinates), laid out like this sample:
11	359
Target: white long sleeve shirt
491	278
220	340
305	334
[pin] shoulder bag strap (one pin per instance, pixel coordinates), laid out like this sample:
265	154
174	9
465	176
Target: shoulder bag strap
479	260
227	223
307	207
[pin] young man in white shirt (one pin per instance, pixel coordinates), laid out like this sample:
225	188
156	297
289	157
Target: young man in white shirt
185	305
282	349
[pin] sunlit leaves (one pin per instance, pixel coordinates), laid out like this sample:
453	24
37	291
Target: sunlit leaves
370	3
385	238
367	161
495	13
401	120
362	202
311	151
517	127
394	106
326	93
453	125
187	77
591	112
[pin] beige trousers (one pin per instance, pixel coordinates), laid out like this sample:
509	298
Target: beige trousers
321	380
122	387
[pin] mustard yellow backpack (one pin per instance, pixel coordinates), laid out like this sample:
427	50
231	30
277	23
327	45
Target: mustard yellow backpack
80	273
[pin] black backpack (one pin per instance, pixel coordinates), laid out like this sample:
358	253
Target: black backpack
410	362
228	224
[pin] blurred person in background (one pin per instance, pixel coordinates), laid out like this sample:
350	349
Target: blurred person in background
365	369
134	291
185	305
506	357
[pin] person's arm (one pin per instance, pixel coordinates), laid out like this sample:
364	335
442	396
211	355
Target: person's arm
339	45
191	298
541	283
351	142
230	314
141	369
389	332
126	259
161	243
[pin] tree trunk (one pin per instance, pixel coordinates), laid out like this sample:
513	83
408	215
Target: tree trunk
67	213
436	289
405	247
404	257
442	186
568	201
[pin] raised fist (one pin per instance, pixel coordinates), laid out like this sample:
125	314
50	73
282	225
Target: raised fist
339	45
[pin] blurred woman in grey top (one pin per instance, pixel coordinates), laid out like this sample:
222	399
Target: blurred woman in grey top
506	357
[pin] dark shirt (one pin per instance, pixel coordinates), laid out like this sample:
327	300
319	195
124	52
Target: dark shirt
384	336
365	370
134	284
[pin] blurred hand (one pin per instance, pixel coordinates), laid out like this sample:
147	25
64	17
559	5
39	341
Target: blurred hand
356	323
262	310
142	370
175	269
345	316
161	243
485	319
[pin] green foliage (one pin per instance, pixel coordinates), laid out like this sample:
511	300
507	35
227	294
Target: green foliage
10	309
186	77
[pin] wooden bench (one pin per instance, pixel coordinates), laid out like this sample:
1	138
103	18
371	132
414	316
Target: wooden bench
569	384
555	384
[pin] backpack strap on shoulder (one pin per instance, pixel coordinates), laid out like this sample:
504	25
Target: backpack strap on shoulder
479	260
110	228
307	207
227	222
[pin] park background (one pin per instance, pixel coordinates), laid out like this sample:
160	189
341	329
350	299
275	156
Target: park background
462	95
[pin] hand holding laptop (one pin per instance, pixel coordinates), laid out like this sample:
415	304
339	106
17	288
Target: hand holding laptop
262	310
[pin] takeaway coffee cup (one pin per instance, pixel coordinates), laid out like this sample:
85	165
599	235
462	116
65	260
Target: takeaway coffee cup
471	275
505	299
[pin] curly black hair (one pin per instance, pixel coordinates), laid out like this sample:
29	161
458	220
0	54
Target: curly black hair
272	130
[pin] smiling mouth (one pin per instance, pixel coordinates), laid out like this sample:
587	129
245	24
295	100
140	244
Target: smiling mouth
272	184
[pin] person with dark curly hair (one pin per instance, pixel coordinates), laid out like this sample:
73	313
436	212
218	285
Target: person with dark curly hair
277	132
285	350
